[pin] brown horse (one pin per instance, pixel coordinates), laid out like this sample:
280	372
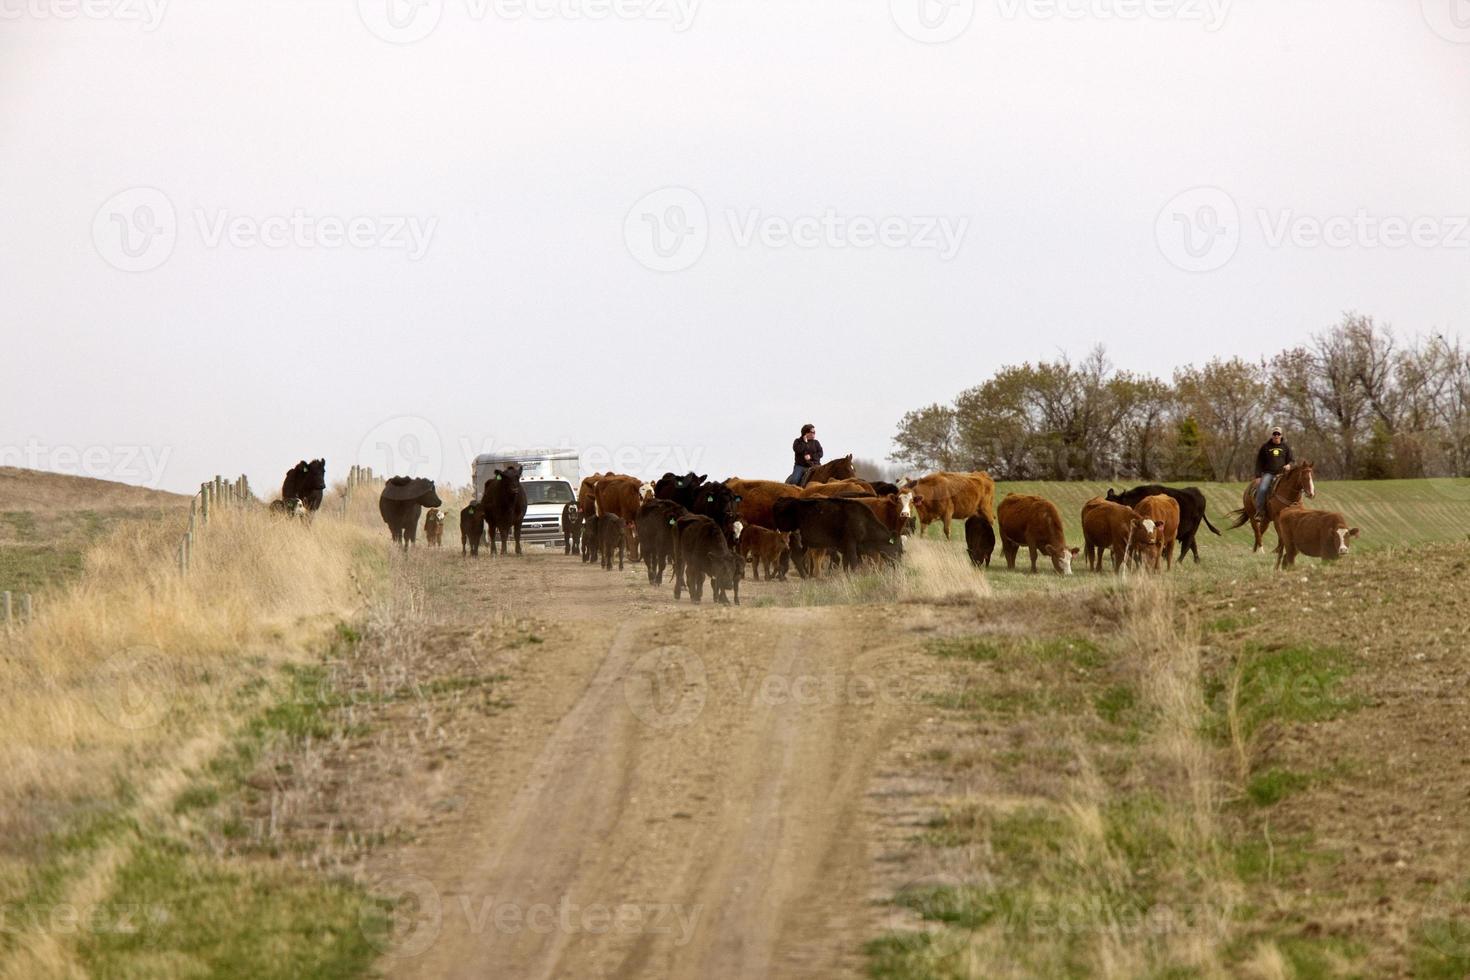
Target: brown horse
1286	491
838	469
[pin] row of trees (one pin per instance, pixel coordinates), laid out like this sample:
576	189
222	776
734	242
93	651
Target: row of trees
1356	400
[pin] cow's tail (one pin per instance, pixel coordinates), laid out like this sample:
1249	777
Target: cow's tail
1211	526
1240	519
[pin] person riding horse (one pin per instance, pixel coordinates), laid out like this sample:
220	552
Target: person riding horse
1273	459
808	453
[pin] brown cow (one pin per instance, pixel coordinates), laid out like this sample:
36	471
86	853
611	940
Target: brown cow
950	497
620	496
839	488
1111	525
585	494
767	549
1320	534
757	496
892	510
1163	510
1037	524
434	527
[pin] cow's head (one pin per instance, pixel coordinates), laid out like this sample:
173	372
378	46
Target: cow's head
907	499
645	491
510	475
316	474
1344	535
1061	558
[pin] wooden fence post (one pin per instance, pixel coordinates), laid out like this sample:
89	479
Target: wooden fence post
25	607
203	504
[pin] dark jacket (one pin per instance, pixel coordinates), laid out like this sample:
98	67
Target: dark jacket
1273	459
801	447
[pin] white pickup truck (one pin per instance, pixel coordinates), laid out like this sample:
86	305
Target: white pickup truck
550	480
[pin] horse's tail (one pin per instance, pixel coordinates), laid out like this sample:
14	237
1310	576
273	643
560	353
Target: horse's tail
1212	527
1240	519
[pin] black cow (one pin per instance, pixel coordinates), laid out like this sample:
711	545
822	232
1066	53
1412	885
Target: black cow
609	538
845	526
680	489
702	550
503	505
590	550
979	540
720	504
656	523
882	488
1191	511
306	481
571	529
471	529
401	504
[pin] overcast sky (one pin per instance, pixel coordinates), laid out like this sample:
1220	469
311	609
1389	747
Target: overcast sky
238	234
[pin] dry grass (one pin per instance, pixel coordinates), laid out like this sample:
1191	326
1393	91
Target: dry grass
34	490
133	674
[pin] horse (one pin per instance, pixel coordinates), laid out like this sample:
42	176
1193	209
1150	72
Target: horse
838	469
1286	491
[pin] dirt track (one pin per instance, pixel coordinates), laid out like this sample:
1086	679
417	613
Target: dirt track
675	791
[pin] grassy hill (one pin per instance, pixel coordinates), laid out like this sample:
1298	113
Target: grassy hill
48	520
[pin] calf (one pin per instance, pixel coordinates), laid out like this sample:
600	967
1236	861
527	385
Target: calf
1163	510
703	550
590	551
1320	534
1035	523
1108	525
767	549
434	527
571	529
979	540
656	522
834	522
609	538
471	529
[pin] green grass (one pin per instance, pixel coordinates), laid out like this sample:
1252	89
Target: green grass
42	550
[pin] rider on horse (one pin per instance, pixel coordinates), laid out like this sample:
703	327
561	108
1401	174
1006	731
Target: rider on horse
1273	459
808	453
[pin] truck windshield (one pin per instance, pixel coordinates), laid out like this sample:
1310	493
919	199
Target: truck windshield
549	492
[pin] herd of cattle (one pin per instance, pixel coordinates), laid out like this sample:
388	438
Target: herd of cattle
695	529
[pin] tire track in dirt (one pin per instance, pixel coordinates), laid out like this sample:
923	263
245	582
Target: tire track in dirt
678	792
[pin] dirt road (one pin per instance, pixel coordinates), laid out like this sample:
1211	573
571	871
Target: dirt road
675	791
